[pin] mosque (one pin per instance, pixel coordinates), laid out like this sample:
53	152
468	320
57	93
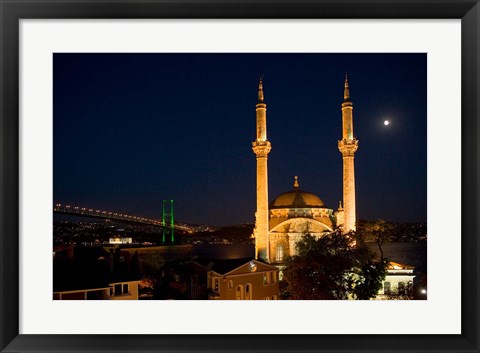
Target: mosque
282	223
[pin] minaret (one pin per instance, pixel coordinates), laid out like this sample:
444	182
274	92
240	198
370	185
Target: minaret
348	146
261	147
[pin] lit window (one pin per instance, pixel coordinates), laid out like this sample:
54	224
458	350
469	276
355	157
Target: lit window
387	287
230	284
216	285
239	292
266	278
248	291
279	254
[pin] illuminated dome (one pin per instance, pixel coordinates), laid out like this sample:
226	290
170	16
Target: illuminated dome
297	199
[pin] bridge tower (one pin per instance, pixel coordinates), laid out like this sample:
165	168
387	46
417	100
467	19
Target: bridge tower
167	212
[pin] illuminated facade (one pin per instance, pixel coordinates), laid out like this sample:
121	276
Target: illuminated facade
280	225
348	146
252	280
399	277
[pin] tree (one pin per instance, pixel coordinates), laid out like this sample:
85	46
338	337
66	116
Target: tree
334	266
378	231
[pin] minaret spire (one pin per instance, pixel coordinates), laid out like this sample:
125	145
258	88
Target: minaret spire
348	145
261	147
346	89
260	90
295	183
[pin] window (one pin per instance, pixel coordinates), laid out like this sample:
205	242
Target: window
216	285
230	284
248	291
239	292
387	288
266	278
401	287
279	254
119	289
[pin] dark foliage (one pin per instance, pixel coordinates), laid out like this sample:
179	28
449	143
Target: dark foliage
335	266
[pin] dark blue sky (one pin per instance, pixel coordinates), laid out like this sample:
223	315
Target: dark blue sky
133	129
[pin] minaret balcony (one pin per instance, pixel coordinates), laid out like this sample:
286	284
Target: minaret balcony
261	148
348	147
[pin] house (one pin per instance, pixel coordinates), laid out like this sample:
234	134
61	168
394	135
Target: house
92	273
240	279
397	280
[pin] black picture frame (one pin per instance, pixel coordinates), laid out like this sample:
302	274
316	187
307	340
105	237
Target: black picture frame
12	11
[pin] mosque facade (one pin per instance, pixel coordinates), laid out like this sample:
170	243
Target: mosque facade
282	223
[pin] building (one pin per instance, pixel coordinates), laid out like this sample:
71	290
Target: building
124	290
184	280
241	279
221	279
280	225
92	273
120	240
399	277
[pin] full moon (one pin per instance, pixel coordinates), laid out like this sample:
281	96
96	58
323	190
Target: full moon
386	122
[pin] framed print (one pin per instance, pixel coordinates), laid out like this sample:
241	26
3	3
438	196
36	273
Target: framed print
116	108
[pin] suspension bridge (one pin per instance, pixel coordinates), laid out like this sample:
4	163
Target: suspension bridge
167	221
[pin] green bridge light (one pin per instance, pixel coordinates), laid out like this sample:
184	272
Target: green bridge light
168	213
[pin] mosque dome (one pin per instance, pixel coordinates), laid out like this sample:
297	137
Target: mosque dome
297	198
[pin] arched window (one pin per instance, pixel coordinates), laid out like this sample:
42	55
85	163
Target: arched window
387	288
248	292
239	292
216	285
266	278
279	253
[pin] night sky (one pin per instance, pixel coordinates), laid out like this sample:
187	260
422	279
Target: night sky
133	129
